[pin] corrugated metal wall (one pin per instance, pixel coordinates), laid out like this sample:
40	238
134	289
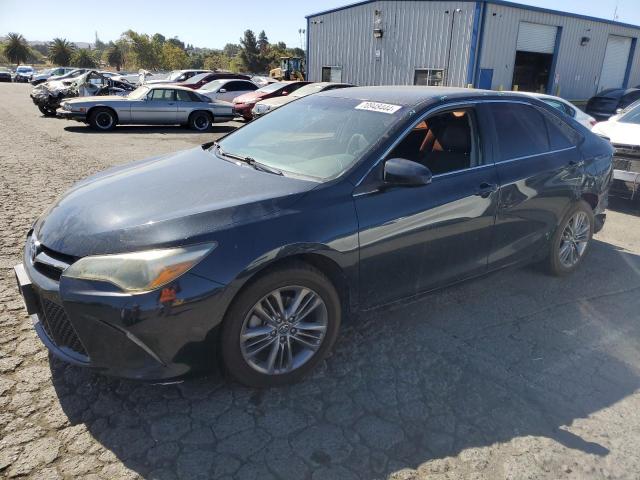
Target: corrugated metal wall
578	67
416	35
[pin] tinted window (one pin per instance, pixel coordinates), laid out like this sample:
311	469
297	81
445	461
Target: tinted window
235	86
629	98
520	129
161	94
561	135
444	143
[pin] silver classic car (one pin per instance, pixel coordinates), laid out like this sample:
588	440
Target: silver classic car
160	104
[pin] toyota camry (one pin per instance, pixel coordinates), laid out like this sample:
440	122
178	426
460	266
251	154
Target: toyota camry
250	251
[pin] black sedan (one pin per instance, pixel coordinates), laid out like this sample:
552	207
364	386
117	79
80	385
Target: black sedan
608	102
253	249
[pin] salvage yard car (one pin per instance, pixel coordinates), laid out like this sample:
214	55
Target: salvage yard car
48	95
5	74
158	104
243	104
608	102
253	249
23	74
624	132
565	107
227	90
269	104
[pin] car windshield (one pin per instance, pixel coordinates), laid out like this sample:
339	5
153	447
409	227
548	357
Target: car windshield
318	137
138	93
209	87
195	78
308	90
631	116
271	87
23	69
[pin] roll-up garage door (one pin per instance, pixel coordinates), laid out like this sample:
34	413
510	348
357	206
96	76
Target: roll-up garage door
615	62
534	37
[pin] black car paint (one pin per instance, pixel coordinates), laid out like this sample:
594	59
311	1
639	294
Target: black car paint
606	103
378	243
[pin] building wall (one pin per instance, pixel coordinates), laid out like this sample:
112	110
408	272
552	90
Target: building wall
578	67
416	35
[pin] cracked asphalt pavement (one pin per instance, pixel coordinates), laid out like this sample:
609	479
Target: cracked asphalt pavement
517	375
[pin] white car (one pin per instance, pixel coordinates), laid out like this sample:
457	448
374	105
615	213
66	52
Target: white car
623	130
565	107
50	74
227	89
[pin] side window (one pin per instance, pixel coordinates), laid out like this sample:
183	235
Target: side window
520	129
161	95
561	135
194	97
183	96
445	142
234	86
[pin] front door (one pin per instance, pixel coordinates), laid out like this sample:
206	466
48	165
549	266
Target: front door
415	239
540	171
158	107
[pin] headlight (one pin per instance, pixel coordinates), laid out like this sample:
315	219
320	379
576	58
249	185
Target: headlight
140	271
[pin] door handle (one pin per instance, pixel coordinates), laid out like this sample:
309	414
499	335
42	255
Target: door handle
486	189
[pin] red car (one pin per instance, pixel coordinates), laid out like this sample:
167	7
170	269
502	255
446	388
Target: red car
243	104
202	79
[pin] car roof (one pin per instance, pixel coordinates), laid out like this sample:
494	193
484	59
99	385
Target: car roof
412	95
167	85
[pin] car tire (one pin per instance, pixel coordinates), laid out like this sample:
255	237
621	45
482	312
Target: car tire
102	119
285	335
200	121
47	111
572	239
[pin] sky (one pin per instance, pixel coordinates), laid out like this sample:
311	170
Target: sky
212	23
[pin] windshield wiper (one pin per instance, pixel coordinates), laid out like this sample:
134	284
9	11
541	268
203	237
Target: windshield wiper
248	160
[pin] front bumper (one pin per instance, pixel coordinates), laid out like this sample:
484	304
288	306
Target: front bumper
155	336
78	116
243	109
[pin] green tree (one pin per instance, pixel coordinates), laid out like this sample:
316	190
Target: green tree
114	56
158	39
249	55
143	52
175	41
60	51
231	50
83	58
16	48
263	42
173	57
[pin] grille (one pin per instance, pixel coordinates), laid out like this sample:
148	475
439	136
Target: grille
49	262
58	327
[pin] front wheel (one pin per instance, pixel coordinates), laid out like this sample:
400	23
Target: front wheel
572	239
47	111
102	119
280	327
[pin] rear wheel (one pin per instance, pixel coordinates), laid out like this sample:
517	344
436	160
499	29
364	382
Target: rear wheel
200	121
280	327
102	119
572	239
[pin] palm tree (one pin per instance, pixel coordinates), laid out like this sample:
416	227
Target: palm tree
115	56
83	58
60	51
16	49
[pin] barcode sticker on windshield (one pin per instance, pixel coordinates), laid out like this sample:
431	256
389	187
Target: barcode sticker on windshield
379	107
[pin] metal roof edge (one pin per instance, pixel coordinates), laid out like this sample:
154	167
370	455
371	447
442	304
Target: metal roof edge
504	3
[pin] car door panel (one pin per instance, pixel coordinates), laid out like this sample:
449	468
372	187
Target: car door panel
154	111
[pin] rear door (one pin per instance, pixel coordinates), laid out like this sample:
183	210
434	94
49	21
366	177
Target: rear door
234	89
415	239
540	171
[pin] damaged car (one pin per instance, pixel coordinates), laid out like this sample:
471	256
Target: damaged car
48	96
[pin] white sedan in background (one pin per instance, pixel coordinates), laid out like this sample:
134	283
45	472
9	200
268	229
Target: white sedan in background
565	107
227	89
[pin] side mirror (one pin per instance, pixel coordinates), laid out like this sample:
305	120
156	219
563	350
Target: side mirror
403	172
222	90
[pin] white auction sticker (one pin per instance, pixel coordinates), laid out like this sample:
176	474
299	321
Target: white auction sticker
379	107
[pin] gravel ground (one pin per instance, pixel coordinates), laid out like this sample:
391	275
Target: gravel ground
518	375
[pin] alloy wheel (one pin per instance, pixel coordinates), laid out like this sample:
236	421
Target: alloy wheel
575	239
104	120
283	330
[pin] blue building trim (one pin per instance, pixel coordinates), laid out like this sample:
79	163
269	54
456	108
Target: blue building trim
476	74
498	2
474	42
632	54
554	63
306	54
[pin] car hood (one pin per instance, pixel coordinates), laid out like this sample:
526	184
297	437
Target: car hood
619	132
162	201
